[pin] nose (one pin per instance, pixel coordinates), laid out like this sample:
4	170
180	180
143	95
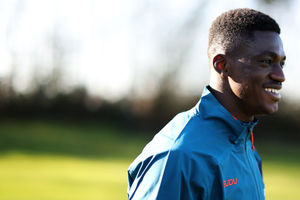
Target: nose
277	74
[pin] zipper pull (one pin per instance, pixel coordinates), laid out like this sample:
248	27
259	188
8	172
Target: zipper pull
252	140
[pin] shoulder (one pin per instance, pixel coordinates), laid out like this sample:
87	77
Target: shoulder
188	135
167	138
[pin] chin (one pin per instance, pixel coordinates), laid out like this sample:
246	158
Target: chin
271	108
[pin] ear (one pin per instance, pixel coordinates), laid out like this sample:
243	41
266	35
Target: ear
219	63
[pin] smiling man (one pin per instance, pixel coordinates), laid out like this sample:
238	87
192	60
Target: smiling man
208	152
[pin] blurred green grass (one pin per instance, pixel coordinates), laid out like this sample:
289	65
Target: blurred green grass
41	160
48	177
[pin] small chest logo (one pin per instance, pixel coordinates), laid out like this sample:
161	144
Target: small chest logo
230	182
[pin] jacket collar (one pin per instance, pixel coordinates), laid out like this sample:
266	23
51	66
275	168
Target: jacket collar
210	108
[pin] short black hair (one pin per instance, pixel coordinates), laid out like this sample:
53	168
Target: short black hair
229	28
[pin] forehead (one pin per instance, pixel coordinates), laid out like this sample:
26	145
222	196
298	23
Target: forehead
261	42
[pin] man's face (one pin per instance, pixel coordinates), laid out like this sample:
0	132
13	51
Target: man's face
255	73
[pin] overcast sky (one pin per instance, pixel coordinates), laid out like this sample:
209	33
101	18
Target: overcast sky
107	44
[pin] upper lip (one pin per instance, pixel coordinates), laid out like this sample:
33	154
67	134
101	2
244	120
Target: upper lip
273	86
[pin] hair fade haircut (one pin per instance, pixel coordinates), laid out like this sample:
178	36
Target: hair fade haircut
237	25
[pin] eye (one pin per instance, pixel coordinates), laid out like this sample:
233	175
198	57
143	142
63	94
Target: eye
266	61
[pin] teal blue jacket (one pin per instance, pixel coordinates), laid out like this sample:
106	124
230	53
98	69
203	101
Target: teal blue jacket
204	153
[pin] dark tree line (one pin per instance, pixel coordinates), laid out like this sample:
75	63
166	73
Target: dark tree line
134	114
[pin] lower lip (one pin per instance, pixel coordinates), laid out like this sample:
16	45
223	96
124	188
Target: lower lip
274	96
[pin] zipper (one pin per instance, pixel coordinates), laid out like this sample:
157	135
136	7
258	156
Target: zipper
251	169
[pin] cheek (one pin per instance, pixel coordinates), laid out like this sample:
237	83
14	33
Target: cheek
240	89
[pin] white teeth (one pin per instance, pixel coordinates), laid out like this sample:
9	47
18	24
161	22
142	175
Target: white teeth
272	90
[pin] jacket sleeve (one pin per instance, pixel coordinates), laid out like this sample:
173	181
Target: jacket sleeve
170	175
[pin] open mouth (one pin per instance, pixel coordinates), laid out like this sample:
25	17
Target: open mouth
274	93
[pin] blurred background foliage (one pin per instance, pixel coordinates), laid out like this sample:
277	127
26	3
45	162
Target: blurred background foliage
62	141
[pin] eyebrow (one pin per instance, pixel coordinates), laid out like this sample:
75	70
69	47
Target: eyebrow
273	54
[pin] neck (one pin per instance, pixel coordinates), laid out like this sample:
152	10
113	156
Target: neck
231	104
